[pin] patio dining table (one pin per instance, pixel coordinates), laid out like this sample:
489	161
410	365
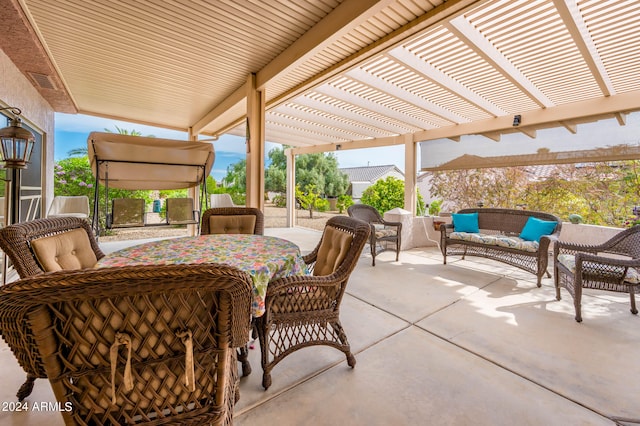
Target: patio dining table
263	257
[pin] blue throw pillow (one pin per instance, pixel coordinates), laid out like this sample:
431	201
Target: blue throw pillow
465	222
536	228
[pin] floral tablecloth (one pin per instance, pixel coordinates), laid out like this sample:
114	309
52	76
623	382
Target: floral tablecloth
264	258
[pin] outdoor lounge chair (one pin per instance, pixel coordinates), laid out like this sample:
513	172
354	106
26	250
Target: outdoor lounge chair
139	344
69	206
303	311
221	200
382	231
612	266
32	248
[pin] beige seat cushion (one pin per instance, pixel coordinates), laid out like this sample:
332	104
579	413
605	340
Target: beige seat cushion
232	224
333	249
66	251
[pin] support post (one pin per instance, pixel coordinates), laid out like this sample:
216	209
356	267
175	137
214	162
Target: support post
194	194
255	144
291	187
410	179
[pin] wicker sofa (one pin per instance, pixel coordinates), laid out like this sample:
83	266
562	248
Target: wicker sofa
498	238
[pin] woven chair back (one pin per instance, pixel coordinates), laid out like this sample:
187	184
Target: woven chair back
138	344
365	213
205	228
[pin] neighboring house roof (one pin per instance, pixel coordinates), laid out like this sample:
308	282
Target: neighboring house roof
369	173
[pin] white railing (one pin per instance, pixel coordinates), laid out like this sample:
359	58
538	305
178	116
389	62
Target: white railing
33	212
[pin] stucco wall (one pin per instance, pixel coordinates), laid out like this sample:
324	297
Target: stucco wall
17	91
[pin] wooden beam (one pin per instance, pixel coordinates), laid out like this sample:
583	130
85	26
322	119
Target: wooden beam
370	123
572	18
528	131
413	122
621	118
494	136
239	95
462	29
367	143
443	80
629	101
358	74
571	127
346	16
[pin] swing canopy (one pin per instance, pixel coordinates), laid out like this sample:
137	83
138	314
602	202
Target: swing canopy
137	162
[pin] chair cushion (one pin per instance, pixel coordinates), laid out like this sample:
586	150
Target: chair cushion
474	237
382	232
333	249
536	228
517	243
569	262
232	224
65	251
180	211
465	222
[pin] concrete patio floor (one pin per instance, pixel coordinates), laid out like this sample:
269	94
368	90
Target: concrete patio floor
474	342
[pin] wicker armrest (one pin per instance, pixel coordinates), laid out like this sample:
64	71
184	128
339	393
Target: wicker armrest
387	223
606	269
581	258
311	257
566	247
552	238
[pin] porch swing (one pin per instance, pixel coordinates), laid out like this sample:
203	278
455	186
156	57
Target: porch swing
145	163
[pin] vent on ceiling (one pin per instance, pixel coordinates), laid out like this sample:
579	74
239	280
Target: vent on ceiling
42	81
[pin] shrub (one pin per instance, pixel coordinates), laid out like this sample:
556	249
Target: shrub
280	200
344	202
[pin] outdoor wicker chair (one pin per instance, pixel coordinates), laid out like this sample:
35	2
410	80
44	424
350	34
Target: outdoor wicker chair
139	344
613	266
17	242
303	311
382	231
234	220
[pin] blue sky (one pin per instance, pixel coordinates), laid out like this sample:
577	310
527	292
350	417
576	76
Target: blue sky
72	131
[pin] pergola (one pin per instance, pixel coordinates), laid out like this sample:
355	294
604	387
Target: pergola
321	75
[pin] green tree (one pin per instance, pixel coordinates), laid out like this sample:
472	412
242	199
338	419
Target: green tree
234	182
387	194
321	171
123	131
236	177
494	187
275	176
307	199
601	193
344	202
